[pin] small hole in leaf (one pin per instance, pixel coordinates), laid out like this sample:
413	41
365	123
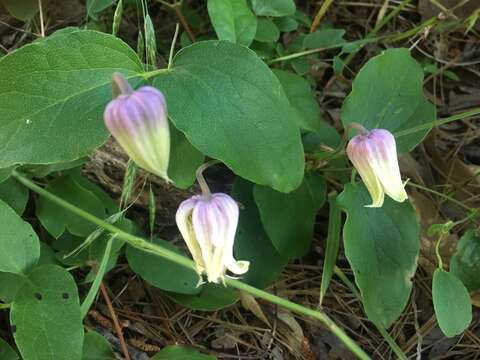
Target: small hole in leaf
38	296
65	296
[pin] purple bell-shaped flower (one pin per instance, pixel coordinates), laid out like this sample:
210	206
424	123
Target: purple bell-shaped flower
138	121
374	155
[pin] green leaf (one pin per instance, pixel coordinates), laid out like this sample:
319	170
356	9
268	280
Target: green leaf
387	93
40	171
14	194
273	7
96	6
110	205
158	271
267	31
5	173
289	219
252	243
324	38
333	243
9	286
46	303
302	99
381	245
23	10
212	297
53	93
465	263
47	255
95	347
6	351
184	160
92	292
231	107
19	245
176	352
56	220
451	302
313	142
233	20
286	24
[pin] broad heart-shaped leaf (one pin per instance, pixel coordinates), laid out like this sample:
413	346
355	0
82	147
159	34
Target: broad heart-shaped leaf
19	244
387	93
286	23
273	7
158	271
6	351
95	347
451	302
95	6
465	263
267	31
381	245
14	194
23	10
177	352
302	98
252	243
56	220
324	38
47	303
288	219
184	160
231	107
232	20
53	93
212	297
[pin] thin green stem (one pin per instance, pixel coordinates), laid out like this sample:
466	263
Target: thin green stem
144	245
387	18
313	51
301	310
449	198
153	73
388	338
427	126
5	306
437	251
172	46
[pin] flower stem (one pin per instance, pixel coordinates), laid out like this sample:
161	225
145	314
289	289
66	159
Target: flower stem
358	127
201	179
120	85
147	246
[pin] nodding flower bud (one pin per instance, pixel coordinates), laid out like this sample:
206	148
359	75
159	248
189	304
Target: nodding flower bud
374	155
138	121
208	223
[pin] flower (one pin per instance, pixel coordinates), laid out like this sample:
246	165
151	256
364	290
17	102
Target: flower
374	155
138	120
208	223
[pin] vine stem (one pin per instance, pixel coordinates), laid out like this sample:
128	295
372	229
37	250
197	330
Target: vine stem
144	245
427	126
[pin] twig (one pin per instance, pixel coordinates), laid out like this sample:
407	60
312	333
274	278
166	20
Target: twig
118	328
321	12
42	26
184	22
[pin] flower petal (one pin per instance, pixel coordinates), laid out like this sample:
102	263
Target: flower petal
384	161
358	153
